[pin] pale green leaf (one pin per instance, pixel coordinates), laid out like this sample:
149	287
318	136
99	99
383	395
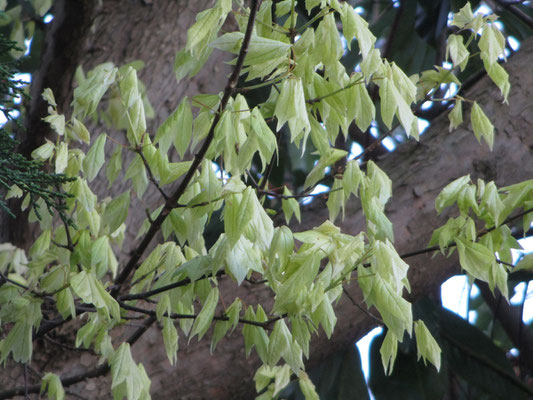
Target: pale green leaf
48	95
290	206
65	304
475	259
116	211
79	131
389	350
291	107
61	158
44	152
18	342
450	193
95	158
463	17
457	51
500	77
456	115
170	338
481	125
204	318
353	25
128	380
492	44
51	384
426	345
238	213
307	387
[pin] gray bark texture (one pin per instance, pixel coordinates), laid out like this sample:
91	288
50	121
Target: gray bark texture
122	31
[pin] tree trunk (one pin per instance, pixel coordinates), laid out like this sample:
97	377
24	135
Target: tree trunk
123	31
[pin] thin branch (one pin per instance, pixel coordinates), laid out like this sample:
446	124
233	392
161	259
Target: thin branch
151	175
173	200
162	289
152	313
352	300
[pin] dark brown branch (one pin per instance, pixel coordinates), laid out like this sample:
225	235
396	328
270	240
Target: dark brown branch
150	293
173	200
152	313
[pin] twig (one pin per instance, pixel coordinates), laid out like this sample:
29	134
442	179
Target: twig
151	175
352	300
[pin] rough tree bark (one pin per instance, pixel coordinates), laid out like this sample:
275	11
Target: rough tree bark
123	31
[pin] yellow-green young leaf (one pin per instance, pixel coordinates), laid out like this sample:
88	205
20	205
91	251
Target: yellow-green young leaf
187	64
456	115
42	244
500	77
176	129
336	200
238	213
205	28
18	342
353	25
48	95
44	152
279	341
426	345
204	318
300	333
307	387
170	338
61	158
388	102
14	192
389	350
351	178
65	304
481	125
260	49
114	166
329	47
91	291
365	111
89	93
243	258
290	206
463	17
116	211
80	132
475	259
255	335
371	63
83	194
492	202
450	193
492	44
457	51
129	380
137	173
318	171
57	121
291	107
95	158
51	384
42	6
